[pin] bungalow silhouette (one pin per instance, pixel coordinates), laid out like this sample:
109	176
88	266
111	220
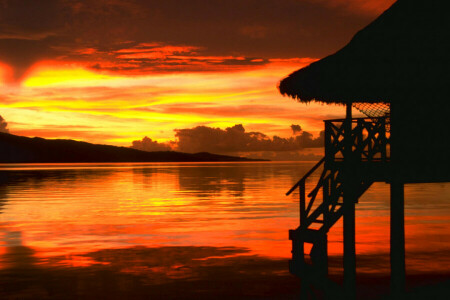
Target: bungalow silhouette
396	72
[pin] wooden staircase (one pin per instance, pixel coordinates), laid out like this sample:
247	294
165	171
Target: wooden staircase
315	223
353	175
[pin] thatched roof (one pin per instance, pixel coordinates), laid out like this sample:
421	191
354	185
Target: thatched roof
405	51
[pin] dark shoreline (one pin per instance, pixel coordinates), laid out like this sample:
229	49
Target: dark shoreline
19	149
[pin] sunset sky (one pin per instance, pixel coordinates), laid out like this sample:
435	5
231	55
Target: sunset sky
115	71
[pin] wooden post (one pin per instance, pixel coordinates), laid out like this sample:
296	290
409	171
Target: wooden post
397	226
305	285
398	272
301	243
329	155
349	211
383	139
319	256
302	191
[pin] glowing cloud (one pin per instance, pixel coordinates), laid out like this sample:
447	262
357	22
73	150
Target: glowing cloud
3	125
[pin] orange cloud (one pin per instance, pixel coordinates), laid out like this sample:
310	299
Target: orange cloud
154	51
6	74
145	58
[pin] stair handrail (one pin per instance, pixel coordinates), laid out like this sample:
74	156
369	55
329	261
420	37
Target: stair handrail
306	176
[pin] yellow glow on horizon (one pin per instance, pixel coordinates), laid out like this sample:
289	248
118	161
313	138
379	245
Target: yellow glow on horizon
61	100
53	75
206	97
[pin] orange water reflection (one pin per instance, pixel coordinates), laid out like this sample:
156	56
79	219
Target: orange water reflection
126	217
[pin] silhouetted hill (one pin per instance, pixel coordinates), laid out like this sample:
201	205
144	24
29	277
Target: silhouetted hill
19	149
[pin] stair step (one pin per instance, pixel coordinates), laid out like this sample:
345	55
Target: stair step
305	235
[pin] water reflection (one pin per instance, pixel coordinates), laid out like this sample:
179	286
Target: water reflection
187	229
208	181
3	195
60	208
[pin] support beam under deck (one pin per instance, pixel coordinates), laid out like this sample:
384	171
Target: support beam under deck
398	272
349	212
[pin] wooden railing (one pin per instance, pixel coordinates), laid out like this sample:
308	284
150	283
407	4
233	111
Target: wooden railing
369	139
330	183
302	193
352	176
370	143
303	179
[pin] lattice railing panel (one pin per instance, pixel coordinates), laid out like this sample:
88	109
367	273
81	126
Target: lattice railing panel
369	139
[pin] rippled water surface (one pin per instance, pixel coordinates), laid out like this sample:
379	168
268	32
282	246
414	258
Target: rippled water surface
186	230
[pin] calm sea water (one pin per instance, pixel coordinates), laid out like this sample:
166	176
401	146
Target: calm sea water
187	230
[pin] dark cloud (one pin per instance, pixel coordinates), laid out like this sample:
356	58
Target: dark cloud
222	33
230	140
146	144
3	125
236	139
27	31
21	54
306	140
296	129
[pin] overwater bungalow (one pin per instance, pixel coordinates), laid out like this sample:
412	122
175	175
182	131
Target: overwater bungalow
396	72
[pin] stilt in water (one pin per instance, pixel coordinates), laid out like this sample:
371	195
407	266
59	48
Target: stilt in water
349	212
397	239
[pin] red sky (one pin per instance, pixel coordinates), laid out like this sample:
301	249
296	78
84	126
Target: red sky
114	71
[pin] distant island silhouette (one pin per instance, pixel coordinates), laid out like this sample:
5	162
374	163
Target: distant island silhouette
20	149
